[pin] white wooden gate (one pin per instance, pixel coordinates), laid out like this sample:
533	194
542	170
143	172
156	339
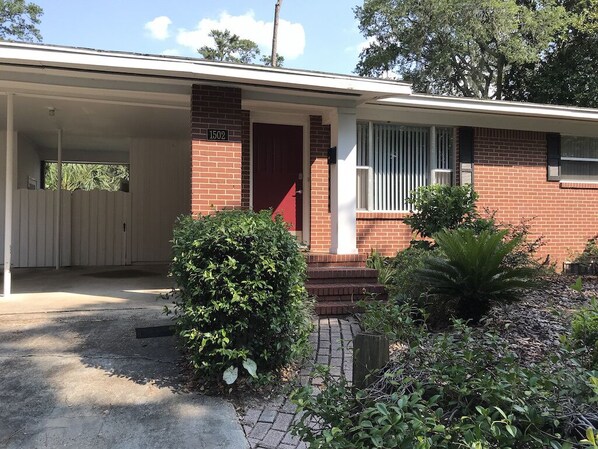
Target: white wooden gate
33	228
95	228
100	228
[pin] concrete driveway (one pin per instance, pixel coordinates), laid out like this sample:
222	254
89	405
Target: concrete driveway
73	375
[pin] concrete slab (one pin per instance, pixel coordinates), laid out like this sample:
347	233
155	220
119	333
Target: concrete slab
73	375
86	288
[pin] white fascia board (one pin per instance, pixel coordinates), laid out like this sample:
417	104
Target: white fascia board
494	107
81	59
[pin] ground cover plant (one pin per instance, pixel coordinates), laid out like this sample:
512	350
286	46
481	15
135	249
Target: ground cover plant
464	387
584	335
241	307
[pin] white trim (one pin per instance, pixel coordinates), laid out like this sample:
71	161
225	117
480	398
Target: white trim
579	159
577	181
196	69
492	106
57	205
10	147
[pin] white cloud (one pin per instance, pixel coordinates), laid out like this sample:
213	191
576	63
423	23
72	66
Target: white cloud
158	27
291	36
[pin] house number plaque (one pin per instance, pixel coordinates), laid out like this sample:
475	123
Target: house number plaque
219	135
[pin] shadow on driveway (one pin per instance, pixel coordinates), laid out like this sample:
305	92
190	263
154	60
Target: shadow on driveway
72	373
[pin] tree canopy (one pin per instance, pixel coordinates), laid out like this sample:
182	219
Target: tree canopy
19	20
566	73
229	47
457	47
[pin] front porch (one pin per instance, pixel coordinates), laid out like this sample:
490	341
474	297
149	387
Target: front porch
299	160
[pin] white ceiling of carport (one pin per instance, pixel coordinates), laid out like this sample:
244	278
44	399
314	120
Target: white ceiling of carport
92	125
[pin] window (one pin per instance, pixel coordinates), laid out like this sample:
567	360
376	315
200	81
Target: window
86	176
579	158
393	160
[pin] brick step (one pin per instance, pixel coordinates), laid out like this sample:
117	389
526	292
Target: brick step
341	275
327	308
317	260
335	308
361	291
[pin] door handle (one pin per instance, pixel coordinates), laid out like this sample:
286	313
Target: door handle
298	192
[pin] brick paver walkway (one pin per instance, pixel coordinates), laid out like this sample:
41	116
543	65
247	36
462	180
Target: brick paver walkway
267	425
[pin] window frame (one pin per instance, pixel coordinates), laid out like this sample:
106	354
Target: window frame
431	169
594	160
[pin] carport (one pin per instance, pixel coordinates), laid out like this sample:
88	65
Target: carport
63	115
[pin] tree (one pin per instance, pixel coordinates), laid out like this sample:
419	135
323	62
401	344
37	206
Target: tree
19	20
267	60
86	176
456	47
229	47
566	74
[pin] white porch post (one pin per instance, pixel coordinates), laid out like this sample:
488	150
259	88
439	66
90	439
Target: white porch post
8	192
58	208
343	183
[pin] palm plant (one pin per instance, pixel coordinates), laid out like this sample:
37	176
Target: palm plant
472	274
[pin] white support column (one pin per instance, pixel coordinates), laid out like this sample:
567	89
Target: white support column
57	203
8	192
343	183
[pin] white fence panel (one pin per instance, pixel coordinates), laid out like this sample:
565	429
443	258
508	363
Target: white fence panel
101	228
33	228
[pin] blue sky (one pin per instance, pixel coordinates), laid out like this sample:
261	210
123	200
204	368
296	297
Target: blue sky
313	34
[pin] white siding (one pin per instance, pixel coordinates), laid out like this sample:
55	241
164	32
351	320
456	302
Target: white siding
160	192
28	163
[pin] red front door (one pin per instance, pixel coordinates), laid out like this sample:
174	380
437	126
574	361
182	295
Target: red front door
277	173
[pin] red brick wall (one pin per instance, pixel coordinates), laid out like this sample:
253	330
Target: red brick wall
216	174
510	176
319	142
384	232
245	159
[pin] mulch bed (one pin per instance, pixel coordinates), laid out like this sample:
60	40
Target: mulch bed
533	325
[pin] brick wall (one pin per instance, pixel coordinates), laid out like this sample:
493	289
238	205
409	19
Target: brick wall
218	174
510	176
384	232
319	142
245	159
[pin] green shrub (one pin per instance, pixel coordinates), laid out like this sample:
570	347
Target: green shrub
524	253
241	301
589	255
471	273
396	320
584	333
454	390
438	207
382	264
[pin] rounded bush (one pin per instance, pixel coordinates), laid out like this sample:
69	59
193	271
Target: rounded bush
241	304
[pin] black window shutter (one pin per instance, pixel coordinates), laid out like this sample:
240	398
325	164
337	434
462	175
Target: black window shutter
553	146
466	155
